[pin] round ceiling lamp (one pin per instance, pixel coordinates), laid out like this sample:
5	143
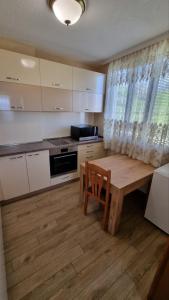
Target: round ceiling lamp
68	12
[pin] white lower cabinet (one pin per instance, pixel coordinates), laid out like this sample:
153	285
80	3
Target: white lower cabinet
13	176
24	173
38	170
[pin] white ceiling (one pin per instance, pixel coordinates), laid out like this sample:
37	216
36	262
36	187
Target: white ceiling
106	28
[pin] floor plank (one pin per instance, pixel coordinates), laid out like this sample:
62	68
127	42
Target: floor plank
53	251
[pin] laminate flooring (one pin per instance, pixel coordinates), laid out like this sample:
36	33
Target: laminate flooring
53	251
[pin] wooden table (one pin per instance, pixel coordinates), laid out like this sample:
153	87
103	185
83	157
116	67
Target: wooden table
127	175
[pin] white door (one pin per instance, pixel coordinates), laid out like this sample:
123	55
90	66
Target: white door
38	170
56	99
55	75
19	68
13	176
88	81
20	97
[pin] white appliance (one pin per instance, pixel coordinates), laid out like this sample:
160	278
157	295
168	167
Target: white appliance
157	210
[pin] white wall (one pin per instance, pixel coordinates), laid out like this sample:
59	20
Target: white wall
21	127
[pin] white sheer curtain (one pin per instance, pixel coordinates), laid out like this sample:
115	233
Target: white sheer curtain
136	119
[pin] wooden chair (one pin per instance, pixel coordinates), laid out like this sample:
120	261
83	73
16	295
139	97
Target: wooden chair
160	287
97	187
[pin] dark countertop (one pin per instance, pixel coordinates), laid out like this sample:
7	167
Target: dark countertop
6	150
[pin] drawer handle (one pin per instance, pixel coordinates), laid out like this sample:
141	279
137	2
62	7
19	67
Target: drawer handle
19	156
88	89
55	84
86	109
12	78
89	151
19	107
36	154
11	158
13	107
59	108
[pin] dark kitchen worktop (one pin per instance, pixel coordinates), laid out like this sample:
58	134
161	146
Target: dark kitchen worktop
6	150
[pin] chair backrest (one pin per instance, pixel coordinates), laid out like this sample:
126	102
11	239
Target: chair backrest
96	179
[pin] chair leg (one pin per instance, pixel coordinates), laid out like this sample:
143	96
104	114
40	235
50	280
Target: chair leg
85	204
105	217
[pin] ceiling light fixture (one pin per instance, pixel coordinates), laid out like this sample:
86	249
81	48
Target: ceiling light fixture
68	12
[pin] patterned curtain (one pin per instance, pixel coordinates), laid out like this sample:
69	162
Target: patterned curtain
136	119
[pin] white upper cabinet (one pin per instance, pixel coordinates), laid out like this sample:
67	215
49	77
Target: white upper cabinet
20	97
55	75
87	102
88	81
19	68
56	99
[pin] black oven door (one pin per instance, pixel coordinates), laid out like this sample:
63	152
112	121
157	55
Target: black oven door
63	163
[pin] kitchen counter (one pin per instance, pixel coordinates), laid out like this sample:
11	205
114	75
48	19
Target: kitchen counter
15	149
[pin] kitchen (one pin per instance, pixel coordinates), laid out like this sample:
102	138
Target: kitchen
83	116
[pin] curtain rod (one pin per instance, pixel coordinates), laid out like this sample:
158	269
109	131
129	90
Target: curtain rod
137	47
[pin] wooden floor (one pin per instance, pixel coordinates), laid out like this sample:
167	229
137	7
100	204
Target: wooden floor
54	252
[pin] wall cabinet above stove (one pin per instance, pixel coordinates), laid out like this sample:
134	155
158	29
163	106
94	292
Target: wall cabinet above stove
88	81
19	68
55	75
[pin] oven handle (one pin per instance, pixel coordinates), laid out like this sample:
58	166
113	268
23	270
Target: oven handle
56	157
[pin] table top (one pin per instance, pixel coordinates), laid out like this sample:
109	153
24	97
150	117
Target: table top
124	170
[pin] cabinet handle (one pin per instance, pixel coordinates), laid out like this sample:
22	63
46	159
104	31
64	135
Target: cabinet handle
13	107
11	158
86	109
88	89
36	154
12	78
19	156
59	108
19	107
55	84
29	154
90	151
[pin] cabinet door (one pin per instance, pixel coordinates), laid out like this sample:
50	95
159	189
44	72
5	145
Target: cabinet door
87	102
13	176
20	97
55	75
19	68
56	99
80	101
85	80
38	170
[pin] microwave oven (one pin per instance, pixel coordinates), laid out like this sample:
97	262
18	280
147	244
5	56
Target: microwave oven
84	132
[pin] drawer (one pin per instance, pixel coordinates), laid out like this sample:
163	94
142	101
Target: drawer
92	146
63	178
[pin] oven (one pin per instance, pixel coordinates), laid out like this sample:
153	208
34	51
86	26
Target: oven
63	161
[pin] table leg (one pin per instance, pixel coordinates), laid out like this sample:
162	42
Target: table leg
81	185
115	211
